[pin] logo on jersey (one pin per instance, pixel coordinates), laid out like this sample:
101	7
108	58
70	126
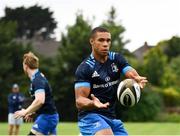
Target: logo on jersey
114	67
107	79
35	126
14	97
97	124
108	84
95	74
30	90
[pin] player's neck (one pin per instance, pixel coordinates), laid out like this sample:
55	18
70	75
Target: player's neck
31	72
99	58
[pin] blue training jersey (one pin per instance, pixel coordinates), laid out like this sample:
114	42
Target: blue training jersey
102	79
40	84
15	102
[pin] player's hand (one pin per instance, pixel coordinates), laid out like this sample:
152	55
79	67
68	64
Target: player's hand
20	114
97	103
141	81
29	117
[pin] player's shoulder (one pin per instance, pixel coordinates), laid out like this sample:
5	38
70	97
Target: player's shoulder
39	79
86	65
40	76
115	55
112	55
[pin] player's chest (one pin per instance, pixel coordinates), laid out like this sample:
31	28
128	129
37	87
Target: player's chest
16	97
107	72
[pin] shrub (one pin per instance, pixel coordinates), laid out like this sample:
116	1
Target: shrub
167	117
171	96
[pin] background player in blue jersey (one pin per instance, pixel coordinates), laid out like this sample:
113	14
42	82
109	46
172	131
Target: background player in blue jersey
96	83
15	103
43	104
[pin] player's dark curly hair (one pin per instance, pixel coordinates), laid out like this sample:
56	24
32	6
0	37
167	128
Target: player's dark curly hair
98	29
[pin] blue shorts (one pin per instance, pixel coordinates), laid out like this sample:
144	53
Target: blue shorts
46	123
92	123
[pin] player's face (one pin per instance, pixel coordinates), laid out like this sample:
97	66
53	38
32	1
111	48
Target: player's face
15	89
25	68
101	43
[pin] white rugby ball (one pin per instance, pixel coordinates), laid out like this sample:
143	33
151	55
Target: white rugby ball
128	92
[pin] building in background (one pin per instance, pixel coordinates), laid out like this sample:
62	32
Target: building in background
45	47
139	53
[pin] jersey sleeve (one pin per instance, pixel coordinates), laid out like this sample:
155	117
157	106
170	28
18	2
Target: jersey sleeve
38	86
82	77
123	64
10	100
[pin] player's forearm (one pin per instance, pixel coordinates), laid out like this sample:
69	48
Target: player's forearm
84	104
36	104
132	74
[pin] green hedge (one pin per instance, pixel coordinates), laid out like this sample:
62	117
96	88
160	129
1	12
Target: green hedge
167	117
171	96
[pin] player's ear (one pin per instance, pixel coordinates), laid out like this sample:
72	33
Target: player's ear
91	41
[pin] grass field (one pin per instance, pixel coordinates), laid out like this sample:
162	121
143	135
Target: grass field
132	128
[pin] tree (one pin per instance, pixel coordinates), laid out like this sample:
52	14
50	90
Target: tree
31	20
154	64
171	47
116	30
172	73
11	71
7	31
74	47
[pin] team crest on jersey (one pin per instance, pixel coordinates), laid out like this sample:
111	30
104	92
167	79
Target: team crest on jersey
114	67
95	74
14	97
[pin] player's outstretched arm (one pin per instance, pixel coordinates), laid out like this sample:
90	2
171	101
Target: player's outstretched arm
134	75
85	103
36	104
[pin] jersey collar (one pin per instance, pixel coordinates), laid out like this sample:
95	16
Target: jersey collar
34	74
92	57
